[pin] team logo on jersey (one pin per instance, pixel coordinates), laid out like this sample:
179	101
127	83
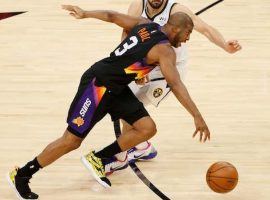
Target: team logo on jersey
157	92
162	18
79	121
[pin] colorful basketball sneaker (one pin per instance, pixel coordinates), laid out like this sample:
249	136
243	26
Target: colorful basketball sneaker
20	185
135	154
113	164
96	167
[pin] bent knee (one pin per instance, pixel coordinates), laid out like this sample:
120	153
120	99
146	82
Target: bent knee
152	130
149	130
71	141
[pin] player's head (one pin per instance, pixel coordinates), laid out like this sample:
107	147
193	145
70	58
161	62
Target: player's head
156	4
181	26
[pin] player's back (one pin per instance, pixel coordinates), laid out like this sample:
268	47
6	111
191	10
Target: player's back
127	62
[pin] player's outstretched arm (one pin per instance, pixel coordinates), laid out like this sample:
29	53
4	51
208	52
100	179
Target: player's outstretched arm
125	21
231	46
167	61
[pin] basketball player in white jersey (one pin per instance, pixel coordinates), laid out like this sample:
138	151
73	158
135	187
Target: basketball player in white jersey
153	89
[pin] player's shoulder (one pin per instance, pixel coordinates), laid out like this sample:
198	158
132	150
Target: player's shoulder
135	8
165	49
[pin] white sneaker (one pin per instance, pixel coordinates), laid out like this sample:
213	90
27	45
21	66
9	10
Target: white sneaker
113	164
148	153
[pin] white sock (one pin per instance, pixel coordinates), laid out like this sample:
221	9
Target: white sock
121	156
142	145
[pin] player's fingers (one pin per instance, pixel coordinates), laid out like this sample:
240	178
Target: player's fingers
143	80
231	42
73	14
201	135
67	7
140	81
77	9
207	132
195	133
236	45
64	7
205	136
239	47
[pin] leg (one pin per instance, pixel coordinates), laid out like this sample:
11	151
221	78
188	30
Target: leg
143	151
150	94
142	130
120	161
125	127
80	119
19	178
58	148
126	106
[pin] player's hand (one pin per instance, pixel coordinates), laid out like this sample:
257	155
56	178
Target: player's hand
75	11
142	81
201	128
232	46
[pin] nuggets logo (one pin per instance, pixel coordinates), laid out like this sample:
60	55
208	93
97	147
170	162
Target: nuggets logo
157	92
79	121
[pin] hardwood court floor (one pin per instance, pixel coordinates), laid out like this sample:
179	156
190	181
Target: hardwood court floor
42	56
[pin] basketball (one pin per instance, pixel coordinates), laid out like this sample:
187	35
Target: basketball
222	177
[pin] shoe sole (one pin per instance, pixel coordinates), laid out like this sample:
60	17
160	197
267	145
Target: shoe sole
14	188
89	167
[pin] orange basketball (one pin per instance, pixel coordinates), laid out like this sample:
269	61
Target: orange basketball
222	177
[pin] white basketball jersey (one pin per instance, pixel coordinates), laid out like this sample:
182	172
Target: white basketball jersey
162	18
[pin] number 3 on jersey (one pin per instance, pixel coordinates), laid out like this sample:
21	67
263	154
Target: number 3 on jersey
126	46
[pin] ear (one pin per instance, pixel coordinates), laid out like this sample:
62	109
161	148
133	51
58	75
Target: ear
175	29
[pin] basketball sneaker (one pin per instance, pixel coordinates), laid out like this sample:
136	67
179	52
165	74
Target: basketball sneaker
20	185
147	153
96	167
113	164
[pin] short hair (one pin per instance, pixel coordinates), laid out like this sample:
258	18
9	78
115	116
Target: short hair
180	20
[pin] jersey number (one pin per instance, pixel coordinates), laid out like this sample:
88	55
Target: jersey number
126	46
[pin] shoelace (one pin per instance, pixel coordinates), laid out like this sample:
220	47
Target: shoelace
100	167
